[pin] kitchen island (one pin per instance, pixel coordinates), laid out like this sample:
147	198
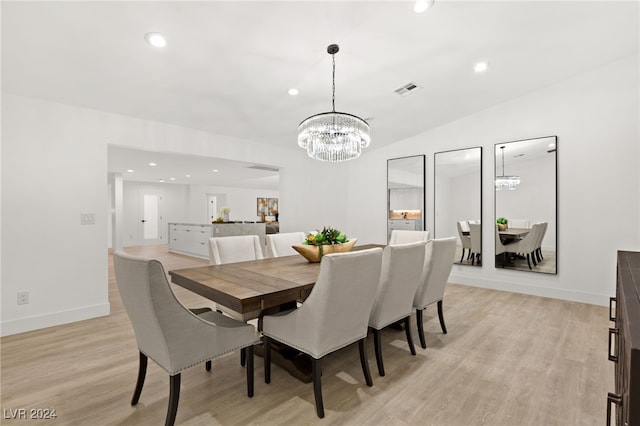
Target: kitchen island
192	239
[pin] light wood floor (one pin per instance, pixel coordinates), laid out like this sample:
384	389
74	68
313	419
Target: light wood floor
508	359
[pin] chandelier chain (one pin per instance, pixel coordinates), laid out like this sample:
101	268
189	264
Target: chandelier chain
333	88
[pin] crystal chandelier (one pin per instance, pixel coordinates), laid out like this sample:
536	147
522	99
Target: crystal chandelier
333	136
506	183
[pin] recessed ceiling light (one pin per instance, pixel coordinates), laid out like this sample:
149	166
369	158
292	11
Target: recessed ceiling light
161	180
215	170
130	171
155	39
152	164
187	176
293	91
481	67
172	178
422	5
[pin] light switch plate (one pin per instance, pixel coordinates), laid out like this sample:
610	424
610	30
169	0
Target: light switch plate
87	219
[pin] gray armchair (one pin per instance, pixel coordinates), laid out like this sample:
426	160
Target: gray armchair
335	314
438	261
401	269
170	334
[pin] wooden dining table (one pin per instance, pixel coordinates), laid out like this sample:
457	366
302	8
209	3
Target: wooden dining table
262	287
511	234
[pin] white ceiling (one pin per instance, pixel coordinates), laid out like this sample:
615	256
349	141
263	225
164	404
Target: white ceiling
228	65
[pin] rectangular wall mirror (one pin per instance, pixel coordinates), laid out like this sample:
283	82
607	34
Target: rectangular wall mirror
405	194
458	201
526	205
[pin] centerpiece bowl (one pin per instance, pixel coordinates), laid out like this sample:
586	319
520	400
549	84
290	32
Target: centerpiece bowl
329	240
314	253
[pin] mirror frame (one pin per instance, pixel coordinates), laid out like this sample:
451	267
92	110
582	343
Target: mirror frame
435	197
424	191
555	200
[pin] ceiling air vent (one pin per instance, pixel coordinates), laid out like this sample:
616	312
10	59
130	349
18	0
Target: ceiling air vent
267	168
407	88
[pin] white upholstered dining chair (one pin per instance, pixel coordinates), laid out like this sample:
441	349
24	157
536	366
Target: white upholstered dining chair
239	248
335	314
399	236
280	244
438	261
173	336
402	266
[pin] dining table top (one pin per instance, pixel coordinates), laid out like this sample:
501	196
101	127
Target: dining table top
514	232
255	285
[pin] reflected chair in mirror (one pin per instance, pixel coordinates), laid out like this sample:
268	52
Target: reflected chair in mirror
519	223
280	244
541	235
527	245
399	236
401	269
465	238
475	231
170	334
438	261
335	315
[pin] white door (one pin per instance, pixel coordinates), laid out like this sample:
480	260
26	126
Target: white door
212	207
151	218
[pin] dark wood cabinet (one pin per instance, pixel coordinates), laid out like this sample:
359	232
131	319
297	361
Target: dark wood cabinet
624	342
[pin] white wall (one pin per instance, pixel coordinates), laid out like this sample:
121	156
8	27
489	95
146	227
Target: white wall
596	118
174	208
54	167
457	198
241	201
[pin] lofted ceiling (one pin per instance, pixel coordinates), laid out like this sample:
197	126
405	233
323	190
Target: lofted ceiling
227	66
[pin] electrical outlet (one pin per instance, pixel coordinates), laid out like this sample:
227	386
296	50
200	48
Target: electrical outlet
23	298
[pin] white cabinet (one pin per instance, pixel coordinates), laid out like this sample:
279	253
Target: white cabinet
405	198
193	239
190	239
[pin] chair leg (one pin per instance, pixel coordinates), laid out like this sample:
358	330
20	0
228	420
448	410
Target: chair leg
208	365
249	357
529	261
441	317
316	368
462	258
174	396
267	359
407	330
423	342
142	372
243	358
378	349
364	362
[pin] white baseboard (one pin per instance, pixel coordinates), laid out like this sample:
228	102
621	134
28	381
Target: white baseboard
38	322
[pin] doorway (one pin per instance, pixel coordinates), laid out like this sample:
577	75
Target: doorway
151	218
